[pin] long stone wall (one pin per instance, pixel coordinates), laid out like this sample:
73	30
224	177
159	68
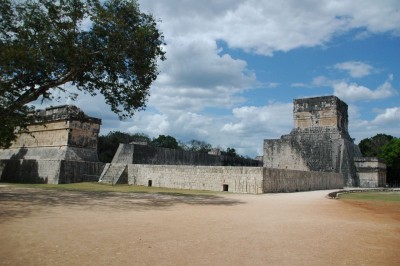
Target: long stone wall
30	171
79	171
145	154
282	180
49	171
254	180
213	178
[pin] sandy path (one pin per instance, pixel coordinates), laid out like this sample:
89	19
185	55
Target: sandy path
39	227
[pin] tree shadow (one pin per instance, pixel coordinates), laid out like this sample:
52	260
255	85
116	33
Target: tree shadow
23	202
20	170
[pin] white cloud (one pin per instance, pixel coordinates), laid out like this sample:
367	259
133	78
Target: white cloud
195	76
250	125
268	26
355	69
270	120
354	92
390	116
385	121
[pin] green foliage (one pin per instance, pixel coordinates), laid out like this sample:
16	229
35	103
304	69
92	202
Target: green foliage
163	141
108	144
371	147
388	148
13	123
391	153
96	187
373	196
45	44
230	152
198	146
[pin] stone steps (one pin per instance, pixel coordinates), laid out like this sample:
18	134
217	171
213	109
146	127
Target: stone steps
114	173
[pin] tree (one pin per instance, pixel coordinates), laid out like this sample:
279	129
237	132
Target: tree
230	152
385	147
391	154
199	146
45	44
163	141
371	147
108	144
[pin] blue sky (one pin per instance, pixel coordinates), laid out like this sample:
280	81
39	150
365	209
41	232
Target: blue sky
234	67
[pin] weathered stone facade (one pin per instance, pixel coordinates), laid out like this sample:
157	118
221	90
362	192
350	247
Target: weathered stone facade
317	154
61	147
319	141
147	166
145	154
59	133
254	180
371	171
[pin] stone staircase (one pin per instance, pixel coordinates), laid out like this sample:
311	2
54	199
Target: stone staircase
114	173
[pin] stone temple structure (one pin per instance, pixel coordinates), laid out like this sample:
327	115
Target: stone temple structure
319	141
318	154
60	148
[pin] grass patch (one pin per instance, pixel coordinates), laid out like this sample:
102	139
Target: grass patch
372	196
97	187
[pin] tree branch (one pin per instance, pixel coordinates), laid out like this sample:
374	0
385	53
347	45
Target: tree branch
34	93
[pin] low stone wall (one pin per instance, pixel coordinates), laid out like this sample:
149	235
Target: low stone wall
144	154
371	172
253	180
30	171
213	178
78	171
283	180
49	171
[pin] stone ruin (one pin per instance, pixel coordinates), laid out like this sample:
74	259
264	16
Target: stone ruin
61	147
317	154
320	141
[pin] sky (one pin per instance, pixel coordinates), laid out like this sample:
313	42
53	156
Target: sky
234	67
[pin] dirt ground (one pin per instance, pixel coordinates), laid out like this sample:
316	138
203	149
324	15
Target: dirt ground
48	227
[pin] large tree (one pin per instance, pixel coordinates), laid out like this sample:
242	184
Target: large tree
108	144
385	147
371	147
108	47
164	141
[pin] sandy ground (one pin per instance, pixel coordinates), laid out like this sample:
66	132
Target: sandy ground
39	227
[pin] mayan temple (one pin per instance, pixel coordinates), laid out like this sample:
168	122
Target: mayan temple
60	148
319	141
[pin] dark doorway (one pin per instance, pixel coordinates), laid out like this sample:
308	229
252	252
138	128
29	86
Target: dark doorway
225	187
150	183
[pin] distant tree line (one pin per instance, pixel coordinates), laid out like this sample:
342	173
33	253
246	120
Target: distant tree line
108	144
387	148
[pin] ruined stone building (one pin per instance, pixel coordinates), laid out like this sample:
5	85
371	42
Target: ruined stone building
318	154
61	147
320	141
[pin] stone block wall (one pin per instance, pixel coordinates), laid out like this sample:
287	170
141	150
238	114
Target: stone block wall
61	147
30	171
325	112
213	178
318	142
49	171
61	126
144	154
79	171
151	155
281	180
254	180
371	172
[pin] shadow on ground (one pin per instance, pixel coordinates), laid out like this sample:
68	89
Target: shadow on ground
23	202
